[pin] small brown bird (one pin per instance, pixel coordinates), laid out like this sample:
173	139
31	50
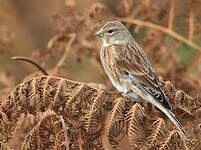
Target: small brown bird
129	69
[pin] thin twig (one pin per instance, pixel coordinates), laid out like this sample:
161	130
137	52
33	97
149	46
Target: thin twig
65	133
62	60
32	62
171	14
163	29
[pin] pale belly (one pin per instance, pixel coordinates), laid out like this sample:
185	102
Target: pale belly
118	86
126	87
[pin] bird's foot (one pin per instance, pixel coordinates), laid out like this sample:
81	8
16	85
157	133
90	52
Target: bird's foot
111	92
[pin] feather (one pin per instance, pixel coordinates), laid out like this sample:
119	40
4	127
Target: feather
137	67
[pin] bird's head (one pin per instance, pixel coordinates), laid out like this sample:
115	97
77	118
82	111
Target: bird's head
113	32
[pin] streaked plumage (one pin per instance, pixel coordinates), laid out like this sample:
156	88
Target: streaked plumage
129	69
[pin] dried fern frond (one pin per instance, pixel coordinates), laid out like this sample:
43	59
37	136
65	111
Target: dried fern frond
92	119
4	146
73	133
174	141
114	122
114	117
135	118
41	93
158	133
31	140
170	91
79	104
42	136
193	144
94	116
184	113
183	104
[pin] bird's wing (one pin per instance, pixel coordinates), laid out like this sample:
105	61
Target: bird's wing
133	62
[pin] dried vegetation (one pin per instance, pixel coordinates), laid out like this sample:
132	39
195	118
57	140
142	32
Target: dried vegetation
50	112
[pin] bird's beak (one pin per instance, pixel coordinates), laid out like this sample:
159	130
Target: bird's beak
99	33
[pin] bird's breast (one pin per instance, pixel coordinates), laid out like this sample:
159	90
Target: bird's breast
110	67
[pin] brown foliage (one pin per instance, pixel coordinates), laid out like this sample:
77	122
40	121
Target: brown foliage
50	112
93	120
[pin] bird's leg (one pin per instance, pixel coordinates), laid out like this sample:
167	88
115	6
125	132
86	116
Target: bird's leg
134	97
111	92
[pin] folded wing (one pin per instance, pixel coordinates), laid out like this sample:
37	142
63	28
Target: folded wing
133	62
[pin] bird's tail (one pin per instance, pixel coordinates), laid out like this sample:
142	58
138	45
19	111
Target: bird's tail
175	121
169	114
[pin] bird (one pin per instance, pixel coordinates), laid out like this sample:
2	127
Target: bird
130	71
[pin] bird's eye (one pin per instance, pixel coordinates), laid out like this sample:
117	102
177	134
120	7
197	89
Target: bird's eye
110	31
